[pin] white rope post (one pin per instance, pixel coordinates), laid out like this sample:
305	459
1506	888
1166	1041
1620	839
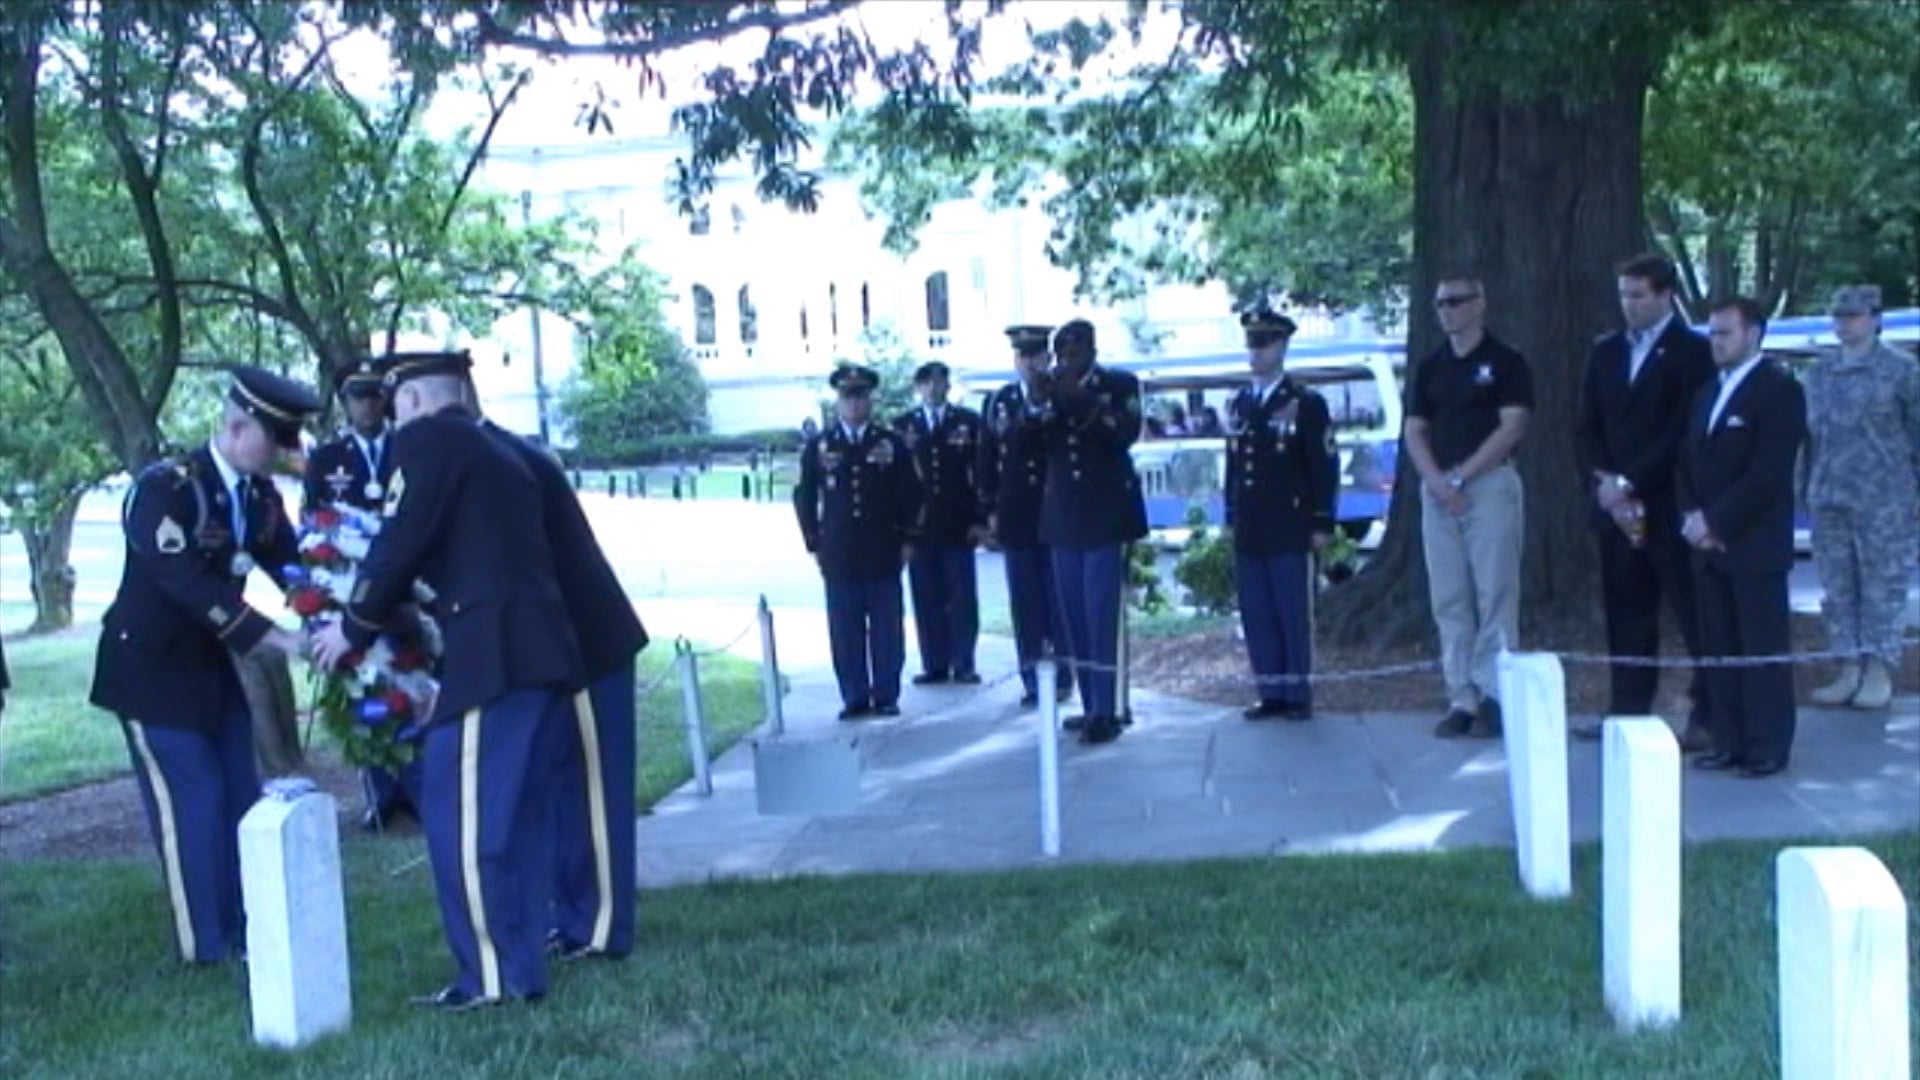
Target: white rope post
695	716
1048	677
770	672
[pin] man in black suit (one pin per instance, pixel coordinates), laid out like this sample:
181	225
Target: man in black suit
1736	497
1639	391
466	515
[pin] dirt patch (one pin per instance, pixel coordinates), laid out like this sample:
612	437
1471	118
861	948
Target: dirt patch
1212	666
989	1049
104	820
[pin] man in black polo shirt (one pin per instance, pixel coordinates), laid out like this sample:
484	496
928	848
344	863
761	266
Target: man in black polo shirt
1466	411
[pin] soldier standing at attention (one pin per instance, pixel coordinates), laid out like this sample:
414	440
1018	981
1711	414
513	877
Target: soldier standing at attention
858	501
352	469
1281	478
1859	474
195	528
1093	509
465	515
945	441
1012	475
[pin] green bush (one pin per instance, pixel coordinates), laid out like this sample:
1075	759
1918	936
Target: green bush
1205	567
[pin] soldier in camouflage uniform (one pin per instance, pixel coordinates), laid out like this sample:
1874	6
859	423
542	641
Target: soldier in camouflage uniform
1860	476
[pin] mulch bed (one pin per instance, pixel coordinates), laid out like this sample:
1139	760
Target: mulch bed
103	820
1218	658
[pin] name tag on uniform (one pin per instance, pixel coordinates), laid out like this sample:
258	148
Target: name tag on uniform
1483	375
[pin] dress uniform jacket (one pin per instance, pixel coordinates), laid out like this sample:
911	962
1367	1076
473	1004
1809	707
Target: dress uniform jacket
337	474
946	458
604	624
164	641
1282	469
1012	471
465	515
1092	492
858	501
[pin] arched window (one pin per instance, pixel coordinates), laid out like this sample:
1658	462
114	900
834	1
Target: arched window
938	317
703	331
749	319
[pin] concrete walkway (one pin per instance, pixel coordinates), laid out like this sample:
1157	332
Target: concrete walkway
953	785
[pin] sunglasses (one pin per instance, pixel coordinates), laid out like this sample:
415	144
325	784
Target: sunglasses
1455	301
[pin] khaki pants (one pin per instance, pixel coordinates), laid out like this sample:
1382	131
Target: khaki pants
267	681
1473	580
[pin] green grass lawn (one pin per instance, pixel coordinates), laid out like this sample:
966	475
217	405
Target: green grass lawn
51	738
1348	966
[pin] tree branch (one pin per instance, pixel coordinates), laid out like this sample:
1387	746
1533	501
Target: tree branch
493	34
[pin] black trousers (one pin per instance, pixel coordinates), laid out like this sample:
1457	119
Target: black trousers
1752	711
1633	582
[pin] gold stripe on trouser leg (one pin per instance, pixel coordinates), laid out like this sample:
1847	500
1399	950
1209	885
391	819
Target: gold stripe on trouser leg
169	842
470	852
596	820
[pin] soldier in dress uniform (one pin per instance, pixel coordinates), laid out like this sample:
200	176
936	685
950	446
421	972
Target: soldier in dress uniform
465	515
1012	474
945	440
1282	473
858	501
352	469
195	527
596	875
1091	512
1860	476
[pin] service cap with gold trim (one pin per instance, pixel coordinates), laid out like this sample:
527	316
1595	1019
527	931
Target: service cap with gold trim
853	380
1028	340
1264	326
277	402
397	368
360	380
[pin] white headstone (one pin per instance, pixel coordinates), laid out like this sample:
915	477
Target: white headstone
1843	967
1640	872
296	920
1533	700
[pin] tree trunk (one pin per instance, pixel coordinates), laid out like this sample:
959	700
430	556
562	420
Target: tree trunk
50	571
1541	201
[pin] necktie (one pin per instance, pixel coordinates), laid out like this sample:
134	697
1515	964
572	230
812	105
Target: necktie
240	512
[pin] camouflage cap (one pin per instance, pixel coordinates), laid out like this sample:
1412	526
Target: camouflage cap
1856	300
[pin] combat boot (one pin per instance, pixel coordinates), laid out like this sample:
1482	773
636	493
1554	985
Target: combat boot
1842	689
1876	686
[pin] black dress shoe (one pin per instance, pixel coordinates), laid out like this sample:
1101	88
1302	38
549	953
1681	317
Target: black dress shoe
560	947
1716	761
1753	770
967	678
1030	700
1456	723
1100	729
1073	723
1264	710
930	678
889	709
1297	713
856	712
1695	740
1486	721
